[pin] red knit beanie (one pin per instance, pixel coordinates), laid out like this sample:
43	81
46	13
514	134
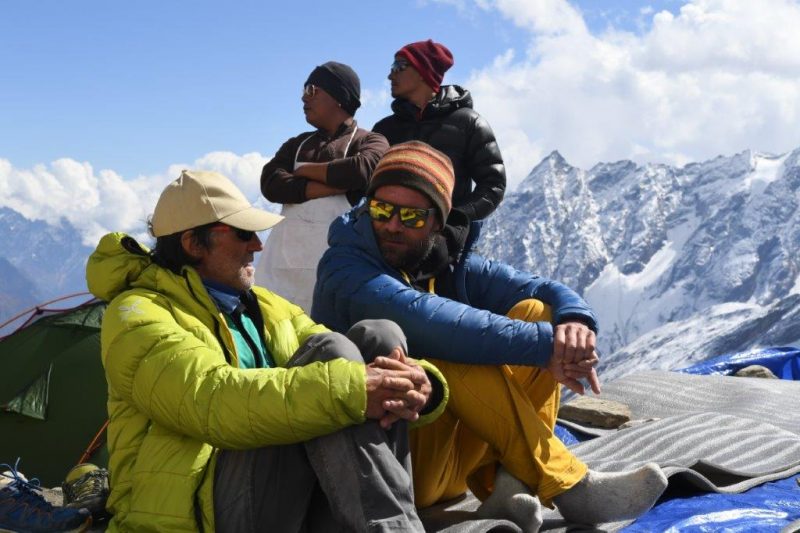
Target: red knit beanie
430	59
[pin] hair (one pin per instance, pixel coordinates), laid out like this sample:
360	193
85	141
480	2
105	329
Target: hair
168	251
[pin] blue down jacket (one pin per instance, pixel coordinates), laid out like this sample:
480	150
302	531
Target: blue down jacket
355	283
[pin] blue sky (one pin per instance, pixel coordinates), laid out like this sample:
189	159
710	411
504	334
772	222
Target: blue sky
103	103
135	86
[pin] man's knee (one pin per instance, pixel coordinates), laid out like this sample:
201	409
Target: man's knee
325	347
531	310
377	337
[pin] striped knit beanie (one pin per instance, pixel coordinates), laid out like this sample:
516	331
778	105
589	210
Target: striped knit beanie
418	166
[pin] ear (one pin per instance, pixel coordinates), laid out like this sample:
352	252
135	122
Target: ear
190	246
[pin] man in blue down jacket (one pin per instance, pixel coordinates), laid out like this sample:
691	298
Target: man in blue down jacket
503	339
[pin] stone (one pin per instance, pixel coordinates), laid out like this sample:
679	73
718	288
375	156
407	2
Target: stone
596	412
755	371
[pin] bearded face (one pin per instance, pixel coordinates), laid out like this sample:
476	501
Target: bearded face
402	246
404	252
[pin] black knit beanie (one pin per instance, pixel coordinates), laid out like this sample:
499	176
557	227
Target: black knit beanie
339	81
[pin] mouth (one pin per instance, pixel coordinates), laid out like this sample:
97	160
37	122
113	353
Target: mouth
392	243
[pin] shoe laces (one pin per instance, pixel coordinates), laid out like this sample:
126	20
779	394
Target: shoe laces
27	489
89	485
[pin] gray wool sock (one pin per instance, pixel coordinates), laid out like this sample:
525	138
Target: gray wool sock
513	501
611	496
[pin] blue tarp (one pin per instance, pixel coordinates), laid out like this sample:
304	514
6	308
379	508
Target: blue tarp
769	507
784	362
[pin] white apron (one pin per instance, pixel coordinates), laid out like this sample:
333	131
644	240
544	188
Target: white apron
288	264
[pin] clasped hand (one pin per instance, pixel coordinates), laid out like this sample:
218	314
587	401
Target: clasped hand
397	388
574	356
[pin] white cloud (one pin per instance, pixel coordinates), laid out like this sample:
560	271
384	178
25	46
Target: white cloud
376	101
545	17
99	202
718	77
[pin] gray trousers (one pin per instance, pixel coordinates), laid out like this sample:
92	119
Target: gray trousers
356	479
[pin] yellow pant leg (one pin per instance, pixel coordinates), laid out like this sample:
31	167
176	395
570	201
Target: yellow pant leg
443	454
495	414
539	385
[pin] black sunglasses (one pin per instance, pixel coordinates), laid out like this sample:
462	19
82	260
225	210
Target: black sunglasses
398	65
243	235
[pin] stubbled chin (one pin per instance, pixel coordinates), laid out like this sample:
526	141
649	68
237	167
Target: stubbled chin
391	256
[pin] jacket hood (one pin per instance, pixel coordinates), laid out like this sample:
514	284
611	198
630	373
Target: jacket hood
115	265
448	99
354	229
120	263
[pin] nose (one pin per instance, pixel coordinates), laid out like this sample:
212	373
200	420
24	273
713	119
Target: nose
394	225
255	244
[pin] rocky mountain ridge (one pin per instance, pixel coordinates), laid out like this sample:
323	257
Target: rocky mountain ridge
38	262
693	249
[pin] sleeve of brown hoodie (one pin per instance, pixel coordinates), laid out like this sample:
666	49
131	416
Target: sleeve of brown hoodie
278	183
353	172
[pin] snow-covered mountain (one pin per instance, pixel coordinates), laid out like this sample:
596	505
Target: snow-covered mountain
680	263
38	262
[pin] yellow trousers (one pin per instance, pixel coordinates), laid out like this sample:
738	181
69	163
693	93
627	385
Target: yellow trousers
496	414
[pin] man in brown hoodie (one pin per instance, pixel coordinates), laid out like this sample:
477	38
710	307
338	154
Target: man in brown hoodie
317	176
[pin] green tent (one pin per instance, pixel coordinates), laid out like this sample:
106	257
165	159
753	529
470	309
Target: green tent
53	391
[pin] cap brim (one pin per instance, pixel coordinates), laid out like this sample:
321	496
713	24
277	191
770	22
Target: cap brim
252	219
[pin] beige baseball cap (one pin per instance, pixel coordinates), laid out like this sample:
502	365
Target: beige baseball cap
199	197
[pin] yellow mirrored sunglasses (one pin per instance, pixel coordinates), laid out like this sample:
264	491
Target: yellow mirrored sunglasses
410	217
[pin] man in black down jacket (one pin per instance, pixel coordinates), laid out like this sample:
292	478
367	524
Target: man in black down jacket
442	116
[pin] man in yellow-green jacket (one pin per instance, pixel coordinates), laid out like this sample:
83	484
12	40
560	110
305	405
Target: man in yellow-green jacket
230	410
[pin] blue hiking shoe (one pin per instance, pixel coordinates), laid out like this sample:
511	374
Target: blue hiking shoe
23	509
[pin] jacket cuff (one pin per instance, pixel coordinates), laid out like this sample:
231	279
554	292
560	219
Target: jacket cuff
545	345
588	320
439	396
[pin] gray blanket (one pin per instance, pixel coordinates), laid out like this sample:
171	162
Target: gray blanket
718	433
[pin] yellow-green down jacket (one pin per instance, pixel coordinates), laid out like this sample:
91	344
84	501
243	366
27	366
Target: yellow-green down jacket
173	399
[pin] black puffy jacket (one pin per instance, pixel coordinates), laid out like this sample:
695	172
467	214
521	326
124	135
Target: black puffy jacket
449	124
